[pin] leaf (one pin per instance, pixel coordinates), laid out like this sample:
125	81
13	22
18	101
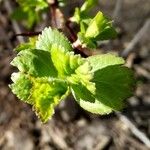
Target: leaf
89	103
30	11
19	14
37	4
47	94
86	42
101	61
81	14
43	93
21	86
83	75
93	30
28	45
77	16
80	82
65	62
32	19
100	28
50	37
80	17
35	62
113	83
88	4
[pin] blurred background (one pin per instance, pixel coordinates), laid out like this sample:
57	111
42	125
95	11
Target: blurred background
72	128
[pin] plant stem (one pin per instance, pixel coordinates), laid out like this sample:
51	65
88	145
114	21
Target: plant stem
29	34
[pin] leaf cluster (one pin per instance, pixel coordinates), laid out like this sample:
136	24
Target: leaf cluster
92	29
49	71
30	11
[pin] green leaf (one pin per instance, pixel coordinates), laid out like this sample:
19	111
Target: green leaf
30	11
81	14
29	45
100	28
21	86
32	19
35	62
88	4
83	75
65	62
19	14
93	30
80	82
113	83
43	93
88	102
37	4
101	61
80	17
50	37
47	94
86	42
77	16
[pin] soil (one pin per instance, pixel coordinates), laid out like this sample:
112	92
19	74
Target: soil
72	128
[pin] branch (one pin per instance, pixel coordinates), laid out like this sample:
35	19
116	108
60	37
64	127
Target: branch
29	34
118	11
53	8
72	34
139	134
136	39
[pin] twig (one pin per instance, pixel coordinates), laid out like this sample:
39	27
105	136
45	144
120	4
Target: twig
142	71
76	43
80	49
136	144
117	11
53	8
14	23
57	17
130	60
29	34
136	39
139	134
72	34
57	137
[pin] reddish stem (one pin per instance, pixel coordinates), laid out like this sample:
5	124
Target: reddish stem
29	34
